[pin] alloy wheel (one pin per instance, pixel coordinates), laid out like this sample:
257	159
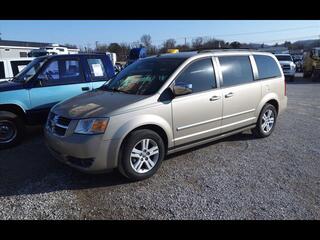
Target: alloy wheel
267	121
144	155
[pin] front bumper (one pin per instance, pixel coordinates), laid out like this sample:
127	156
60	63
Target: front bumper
289	73
88	153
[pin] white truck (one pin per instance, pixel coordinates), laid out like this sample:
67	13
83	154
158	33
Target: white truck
12	66
51	50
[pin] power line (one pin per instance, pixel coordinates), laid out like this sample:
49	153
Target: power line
239	34
287	39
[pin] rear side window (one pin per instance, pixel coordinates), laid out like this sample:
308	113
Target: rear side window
235	70
98	72
2	75
267	67
200	74
17	66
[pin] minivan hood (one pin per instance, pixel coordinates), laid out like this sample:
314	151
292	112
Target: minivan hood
10	86
96	103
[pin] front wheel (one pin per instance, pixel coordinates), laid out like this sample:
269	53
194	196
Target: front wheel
266	121
11	129
141	154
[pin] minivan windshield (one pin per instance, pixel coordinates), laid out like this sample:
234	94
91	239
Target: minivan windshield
143	77
30	70
284	58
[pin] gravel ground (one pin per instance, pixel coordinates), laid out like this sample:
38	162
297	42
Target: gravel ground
236	178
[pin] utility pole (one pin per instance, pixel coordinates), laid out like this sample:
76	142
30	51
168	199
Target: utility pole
96	45
185	41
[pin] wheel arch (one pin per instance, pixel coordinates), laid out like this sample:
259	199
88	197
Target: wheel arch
14	108
272	99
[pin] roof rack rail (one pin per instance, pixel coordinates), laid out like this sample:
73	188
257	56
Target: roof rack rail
226	49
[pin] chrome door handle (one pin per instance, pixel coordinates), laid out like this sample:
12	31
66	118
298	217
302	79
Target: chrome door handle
214	98
230	94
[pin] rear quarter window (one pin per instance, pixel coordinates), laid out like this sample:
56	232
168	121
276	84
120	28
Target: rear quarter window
267	67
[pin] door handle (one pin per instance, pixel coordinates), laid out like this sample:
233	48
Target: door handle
230	94
214	98
85	89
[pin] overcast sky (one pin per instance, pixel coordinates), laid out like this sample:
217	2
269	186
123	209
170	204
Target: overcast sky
87	32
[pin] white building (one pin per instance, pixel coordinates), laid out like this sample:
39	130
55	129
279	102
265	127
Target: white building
20	49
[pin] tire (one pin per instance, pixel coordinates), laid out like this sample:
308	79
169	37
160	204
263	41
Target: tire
148	164
306	74
314	75
11	129
260	131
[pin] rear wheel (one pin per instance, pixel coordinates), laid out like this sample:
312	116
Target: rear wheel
141	155
306	74
11	129
266	121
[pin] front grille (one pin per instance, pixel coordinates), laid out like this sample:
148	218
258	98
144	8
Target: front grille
58	125
286	67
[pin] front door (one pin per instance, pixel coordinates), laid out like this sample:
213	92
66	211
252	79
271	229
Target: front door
197	115
59	80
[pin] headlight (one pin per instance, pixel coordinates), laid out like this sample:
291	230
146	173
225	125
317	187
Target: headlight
91	126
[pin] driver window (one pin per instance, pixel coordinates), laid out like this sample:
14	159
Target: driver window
50	73
61	72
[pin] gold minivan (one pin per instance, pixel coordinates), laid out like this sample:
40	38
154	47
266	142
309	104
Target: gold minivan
164	104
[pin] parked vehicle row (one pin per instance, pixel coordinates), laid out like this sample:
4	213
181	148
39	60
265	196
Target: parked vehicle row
163	104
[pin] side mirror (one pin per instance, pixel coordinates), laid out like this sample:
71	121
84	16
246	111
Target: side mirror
182	88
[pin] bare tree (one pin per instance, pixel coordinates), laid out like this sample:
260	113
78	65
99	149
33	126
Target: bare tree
146	40
197	43
102	48
170	43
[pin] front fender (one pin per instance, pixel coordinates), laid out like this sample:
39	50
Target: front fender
19	98
139	121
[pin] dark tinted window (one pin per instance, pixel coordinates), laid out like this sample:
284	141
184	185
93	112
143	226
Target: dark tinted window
267	67
143	77
23	54
62	72
284	57
235	70
17	66
200	74
2	75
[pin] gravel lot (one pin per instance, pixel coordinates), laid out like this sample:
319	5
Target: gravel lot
236	178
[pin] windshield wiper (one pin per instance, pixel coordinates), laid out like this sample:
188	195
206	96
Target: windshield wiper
118	90
113	89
